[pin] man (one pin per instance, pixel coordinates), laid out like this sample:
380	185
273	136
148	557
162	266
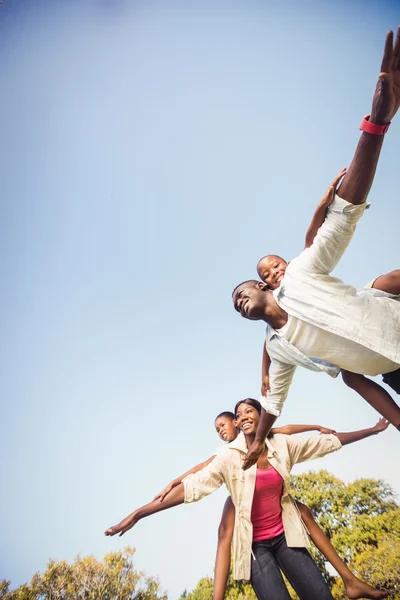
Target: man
310	305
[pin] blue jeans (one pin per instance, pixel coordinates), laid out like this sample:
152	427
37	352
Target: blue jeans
274	556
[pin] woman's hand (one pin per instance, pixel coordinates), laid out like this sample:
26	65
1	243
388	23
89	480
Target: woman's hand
124	526
326	430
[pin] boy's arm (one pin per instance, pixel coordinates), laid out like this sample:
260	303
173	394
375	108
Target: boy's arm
266	363
292	429
178	480
320	211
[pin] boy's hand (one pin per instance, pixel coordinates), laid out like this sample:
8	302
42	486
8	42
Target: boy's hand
386	99
381	425
329	195
265	385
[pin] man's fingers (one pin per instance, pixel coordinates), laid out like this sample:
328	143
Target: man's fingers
396	51
387	53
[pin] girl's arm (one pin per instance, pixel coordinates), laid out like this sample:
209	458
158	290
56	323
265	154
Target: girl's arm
178	480
266	363
320	211
291	429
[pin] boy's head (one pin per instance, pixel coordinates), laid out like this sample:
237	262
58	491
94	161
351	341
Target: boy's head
251	299
271	269
225	426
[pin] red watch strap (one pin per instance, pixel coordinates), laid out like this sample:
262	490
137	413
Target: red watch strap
369	127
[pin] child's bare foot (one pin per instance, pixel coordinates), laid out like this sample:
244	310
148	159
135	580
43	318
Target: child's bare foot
359	589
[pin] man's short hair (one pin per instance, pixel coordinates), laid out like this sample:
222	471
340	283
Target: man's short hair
255	281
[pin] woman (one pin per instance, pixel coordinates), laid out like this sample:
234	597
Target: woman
278	538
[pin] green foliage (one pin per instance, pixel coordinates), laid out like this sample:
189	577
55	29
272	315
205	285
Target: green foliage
88	579
362	519
235	590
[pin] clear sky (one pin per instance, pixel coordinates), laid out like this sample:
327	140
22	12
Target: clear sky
151	152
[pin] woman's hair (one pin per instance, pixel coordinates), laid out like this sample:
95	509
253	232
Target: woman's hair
228	414
254	403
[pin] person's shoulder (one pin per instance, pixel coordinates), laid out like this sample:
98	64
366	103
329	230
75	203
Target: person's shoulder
221	450
279	440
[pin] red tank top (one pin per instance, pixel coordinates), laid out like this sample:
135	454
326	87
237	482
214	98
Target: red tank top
266	510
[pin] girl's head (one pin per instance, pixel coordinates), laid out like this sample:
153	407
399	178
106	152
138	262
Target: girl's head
225	426
247	413
271	269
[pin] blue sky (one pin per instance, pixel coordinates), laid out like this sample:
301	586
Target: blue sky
151	153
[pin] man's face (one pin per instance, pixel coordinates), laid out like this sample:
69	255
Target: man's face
250	300
271	269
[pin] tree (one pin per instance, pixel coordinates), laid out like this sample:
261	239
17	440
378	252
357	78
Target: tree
362	519
88	579
356	517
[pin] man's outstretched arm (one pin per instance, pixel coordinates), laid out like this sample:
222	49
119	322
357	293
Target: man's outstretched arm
386	101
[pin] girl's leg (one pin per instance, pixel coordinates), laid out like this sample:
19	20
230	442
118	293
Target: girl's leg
389	282
355	588
266	577
301	571
223	558
375	395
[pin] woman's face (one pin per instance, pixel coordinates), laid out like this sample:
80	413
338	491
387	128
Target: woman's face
226	429
247	418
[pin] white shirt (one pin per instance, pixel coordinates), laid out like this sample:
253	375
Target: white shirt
326	346
284	451
370	317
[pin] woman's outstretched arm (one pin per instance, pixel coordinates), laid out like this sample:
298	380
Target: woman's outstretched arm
356	436
178	480
174	498
193	488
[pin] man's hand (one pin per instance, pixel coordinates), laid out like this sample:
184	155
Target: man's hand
386	99
124	526
326	430
165	491
381	425
253	454
265	385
